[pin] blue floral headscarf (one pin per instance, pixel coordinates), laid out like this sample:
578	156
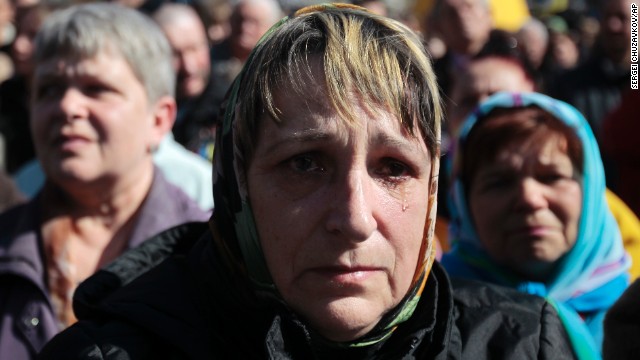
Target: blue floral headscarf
592	275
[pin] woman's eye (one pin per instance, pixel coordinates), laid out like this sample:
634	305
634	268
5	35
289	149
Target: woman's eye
95	89
550	178
393	168
553	178
48	90
306	163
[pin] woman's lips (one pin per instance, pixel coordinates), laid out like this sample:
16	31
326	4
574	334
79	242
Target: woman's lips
530	231
346	275
70	143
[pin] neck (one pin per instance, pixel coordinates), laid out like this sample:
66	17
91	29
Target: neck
107	201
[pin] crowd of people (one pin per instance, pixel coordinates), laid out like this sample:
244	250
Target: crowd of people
296	179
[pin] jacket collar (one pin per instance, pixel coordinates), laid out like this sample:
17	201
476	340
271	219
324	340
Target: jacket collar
425	335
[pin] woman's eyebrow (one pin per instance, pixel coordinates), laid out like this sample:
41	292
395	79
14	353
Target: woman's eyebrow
300	136
395	141
312	135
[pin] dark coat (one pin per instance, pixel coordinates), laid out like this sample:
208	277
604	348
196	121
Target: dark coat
622	326
14	123
191	307
196	119
27	319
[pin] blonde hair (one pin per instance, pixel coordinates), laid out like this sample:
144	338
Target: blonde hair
379	59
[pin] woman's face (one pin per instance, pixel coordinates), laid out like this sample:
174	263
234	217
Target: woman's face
91	120
526	208
340	210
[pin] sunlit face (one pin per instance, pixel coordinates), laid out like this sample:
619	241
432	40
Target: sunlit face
482	79
91	120
526	208
465	25
22	49
340	210
250	20
192	62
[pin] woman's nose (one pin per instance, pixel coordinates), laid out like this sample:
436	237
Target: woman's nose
531	195
73	104
352	213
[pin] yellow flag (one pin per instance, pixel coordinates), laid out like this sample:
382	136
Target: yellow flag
509	15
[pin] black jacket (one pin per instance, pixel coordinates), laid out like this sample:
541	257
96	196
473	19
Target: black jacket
14	123
182	308
196	118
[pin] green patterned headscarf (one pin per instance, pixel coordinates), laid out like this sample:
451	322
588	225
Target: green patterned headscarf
233	224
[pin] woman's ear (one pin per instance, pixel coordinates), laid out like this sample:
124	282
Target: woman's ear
164	115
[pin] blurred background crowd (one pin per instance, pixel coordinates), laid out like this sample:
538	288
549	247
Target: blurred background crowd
574	50
577	51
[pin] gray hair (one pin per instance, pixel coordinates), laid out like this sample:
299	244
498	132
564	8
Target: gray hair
84	31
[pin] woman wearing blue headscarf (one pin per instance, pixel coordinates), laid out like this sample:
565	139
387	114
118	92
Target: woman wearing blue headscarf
529	211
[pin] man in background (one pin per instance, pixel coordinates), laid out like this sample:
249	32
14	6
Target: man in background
197	93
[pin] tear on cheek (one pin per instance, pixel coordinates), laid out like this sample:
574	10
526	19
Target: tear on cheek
401	195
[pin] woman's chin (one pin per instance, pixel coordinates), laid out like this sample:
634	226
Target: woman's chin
71	176
343	320
74	179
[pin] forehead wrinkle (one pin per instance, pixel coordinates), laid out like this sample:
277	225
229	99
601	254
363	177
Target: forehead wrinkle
391	140
309	135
